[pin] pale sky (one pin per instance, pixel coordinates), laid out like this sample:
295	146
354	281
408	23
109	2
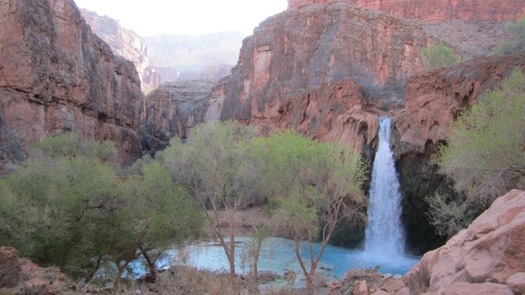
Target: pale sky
194	17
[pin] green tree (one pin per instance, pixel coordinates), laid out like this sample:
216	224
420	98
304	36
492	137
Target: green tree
215	166
517	41
57	200
67	207
314	186
438	56
484	155
168	215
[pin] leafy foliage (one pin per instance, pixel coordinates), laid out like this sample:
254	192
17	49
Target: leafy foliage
485	155
314	186
215	165
68	207
308	186
439	56
517	41
70	146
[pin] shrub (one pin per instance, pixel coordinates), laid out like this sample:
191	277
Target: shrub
439	56
485	155
517	41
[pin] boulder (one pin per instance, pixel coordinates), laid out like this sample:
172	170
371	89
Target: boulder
461	288
361	288
482	257
516	283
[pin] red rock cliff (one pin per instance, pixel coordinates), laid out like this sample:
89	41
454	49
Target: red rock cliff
437	10
310	69
171	110
127	44
56	76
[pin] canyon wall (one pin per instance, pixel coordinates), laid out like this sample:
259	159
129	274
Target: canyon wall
171	110
436	10
57	76
289	70
127	44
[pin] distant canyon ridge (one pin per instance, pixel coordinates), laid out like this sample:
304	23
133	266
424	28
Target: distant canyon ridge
327	69
169	58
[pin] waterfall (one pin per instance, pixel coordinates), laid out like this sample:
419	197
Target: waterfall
384	233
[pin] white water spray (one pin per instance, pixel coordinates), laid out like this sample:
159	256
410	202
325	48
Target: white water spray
385	235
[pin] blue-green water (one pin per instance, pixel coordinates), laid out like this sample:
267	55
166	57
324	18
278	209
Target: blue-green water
277	255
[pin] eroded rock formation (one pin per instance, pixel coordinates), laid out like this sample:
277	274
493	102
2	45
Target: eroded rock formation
57	76
126	43
171	110
486	258
436	10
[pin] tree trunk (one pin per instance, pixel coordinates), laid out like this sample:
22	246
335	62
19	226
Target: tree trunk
256	252
231	258
151	265
92	274
120	271
310	285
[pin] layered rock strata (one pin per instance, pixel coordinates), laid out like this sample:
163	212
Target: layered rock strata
126	43
57	76
311	69
171	110
436	10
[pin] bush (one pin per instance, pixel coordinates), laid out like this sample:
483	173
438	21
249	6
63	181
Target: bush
517	41
439	56
485	155
68	207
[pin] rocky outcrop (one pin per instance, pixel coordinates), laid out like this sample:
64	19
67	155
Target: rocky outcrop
437	10
171	110
57	76
126	43
486	258
21	276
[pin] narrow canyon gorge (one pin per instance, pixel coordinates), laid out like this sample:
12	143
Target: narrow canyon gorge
328	69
